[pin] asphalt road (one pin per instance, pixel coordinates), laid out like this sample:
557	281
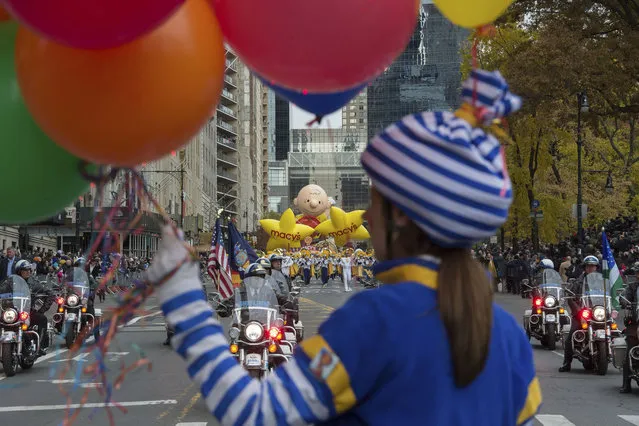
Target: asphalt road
165	396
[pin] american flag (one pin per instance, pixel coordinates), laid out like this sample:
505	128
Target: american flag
218	265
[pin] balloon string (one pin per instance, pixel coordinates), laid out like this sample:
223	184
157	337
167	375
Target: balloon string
318	119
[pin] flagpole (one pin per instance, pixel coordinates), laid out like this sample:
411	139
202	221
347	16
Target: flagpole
605	268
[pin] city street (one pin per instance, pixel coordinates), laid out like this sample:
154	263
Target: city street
165	395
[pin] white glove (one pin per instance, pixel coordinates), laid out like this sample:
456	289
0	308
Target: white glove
170	254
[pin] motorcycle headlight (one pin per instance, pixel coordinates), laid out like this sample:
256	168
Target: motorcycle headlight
234	333
599	313
550	301
73	300
253	331
9	316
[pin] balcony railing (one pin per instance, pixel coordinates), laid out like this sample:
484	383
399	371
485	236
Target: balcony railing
229	80
227	159
227	143
226	126
231	65
228	95
226	110
226	175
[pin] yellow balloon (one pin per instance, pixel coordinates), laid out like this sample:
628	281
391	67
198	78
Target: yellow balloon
285	233
343	226
472	13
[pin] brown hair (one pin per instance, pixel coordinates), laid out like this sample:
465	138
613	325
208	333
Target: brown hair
464	300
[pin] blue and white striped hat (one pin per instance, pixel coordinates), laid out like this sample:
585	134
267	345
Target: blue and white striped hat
444	172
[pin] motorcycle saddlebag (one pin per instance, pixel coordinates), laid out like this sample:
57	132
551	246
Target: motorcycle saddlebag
618	347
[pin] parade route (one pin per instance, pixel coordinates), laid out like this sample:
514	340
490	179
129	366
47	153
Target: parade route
166	396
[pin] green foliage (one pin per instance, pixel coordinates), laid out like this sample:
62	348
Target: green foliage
549	51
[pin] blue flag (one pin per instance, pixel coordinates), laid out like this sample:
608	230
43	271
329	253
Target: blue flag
241	254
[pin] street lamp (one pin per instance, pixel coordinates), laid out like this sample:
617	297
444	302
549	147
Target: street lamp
582	107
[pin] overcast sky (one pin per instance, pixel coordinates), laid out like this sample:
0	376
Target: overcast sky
299	118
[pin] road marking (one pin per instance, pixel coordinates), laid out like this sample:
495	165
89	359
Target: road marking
138	319
71	381
558	353
631	419
194	399
87	405
115	356
317	304
553	420
81	357
192	424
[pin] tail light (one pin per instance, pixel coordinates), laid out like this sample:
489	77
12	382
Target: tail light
537	301
275	333
24	316
585	314
60	301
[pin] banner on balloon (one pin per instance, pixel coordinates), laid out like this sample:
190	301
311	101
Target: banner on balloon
285	233
344	227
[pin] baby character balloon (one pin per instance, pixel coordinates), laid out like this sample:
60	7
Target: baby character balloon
312	202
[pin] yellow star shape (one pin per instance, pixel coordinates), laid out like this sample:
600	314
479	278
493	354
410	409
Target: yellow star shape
344	226
285	233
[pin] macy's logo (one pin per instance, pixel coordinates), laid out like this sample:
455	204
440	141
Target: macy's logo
344	231
285	236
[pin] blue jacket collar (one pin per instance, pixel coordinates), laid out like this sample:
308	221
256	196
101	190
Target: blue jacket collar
422	270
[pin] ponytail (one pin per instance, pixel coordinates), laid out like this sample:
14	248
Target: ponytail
465	305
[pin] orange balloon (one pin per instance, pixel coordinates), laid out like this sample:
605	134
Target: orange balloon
129	104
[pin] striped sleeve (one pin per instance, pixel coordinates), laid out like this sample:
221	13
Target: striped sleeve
290	396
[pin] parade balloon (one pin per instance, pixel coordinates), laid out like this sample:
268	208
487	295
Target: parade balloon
92	24
344	227
4	15
30	161
130	104
285	233
472	13
322	46
320	104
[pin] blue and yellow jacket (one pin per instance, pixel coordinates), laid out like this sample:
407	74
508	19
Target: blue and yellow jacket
381	359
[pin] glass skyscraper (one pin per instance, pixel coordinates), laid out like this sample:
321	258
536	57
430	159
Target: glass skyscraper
425	77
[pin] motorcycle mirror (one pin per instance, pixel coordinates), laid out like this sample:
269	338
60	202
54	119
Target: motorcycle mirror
620	291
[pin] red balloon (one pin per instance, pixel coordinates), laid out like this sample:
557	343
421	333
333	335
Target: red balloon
92	24
318	45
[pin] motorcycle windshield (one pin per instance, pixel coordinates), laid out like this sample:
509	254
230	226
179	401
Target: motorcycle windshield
550	276
15	294
78	283
255	301
552	290
592	291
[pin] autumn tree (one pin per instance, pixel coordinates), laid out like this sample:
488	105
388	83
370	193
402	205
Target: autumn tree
549	51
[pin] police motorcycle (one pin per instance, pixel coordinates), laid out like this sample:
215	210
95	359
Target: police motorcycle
546	316
619	344
591	343
257	332
72	314
18	344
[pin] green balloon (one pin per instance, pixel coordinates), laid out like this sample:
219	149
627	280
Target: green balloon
37	177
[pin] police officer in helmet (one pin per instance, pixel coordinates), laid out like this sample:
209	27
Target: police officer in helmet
590	265
631	322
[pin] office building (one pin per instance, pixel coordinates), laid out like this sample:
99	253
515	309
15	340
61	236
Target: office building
425	77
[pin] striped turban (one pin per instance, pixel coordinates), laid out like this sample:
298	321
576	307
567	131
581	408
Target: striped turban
443	170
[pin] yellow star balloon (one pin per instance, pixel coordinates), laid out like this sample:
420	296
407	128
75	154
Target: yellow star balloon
343	226
285	233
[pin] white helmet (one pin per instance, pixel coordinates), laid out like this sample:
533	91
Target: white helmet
22	265
547	264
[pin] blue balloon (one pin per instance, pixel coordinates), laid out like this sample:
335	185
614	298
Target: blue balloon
320	104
